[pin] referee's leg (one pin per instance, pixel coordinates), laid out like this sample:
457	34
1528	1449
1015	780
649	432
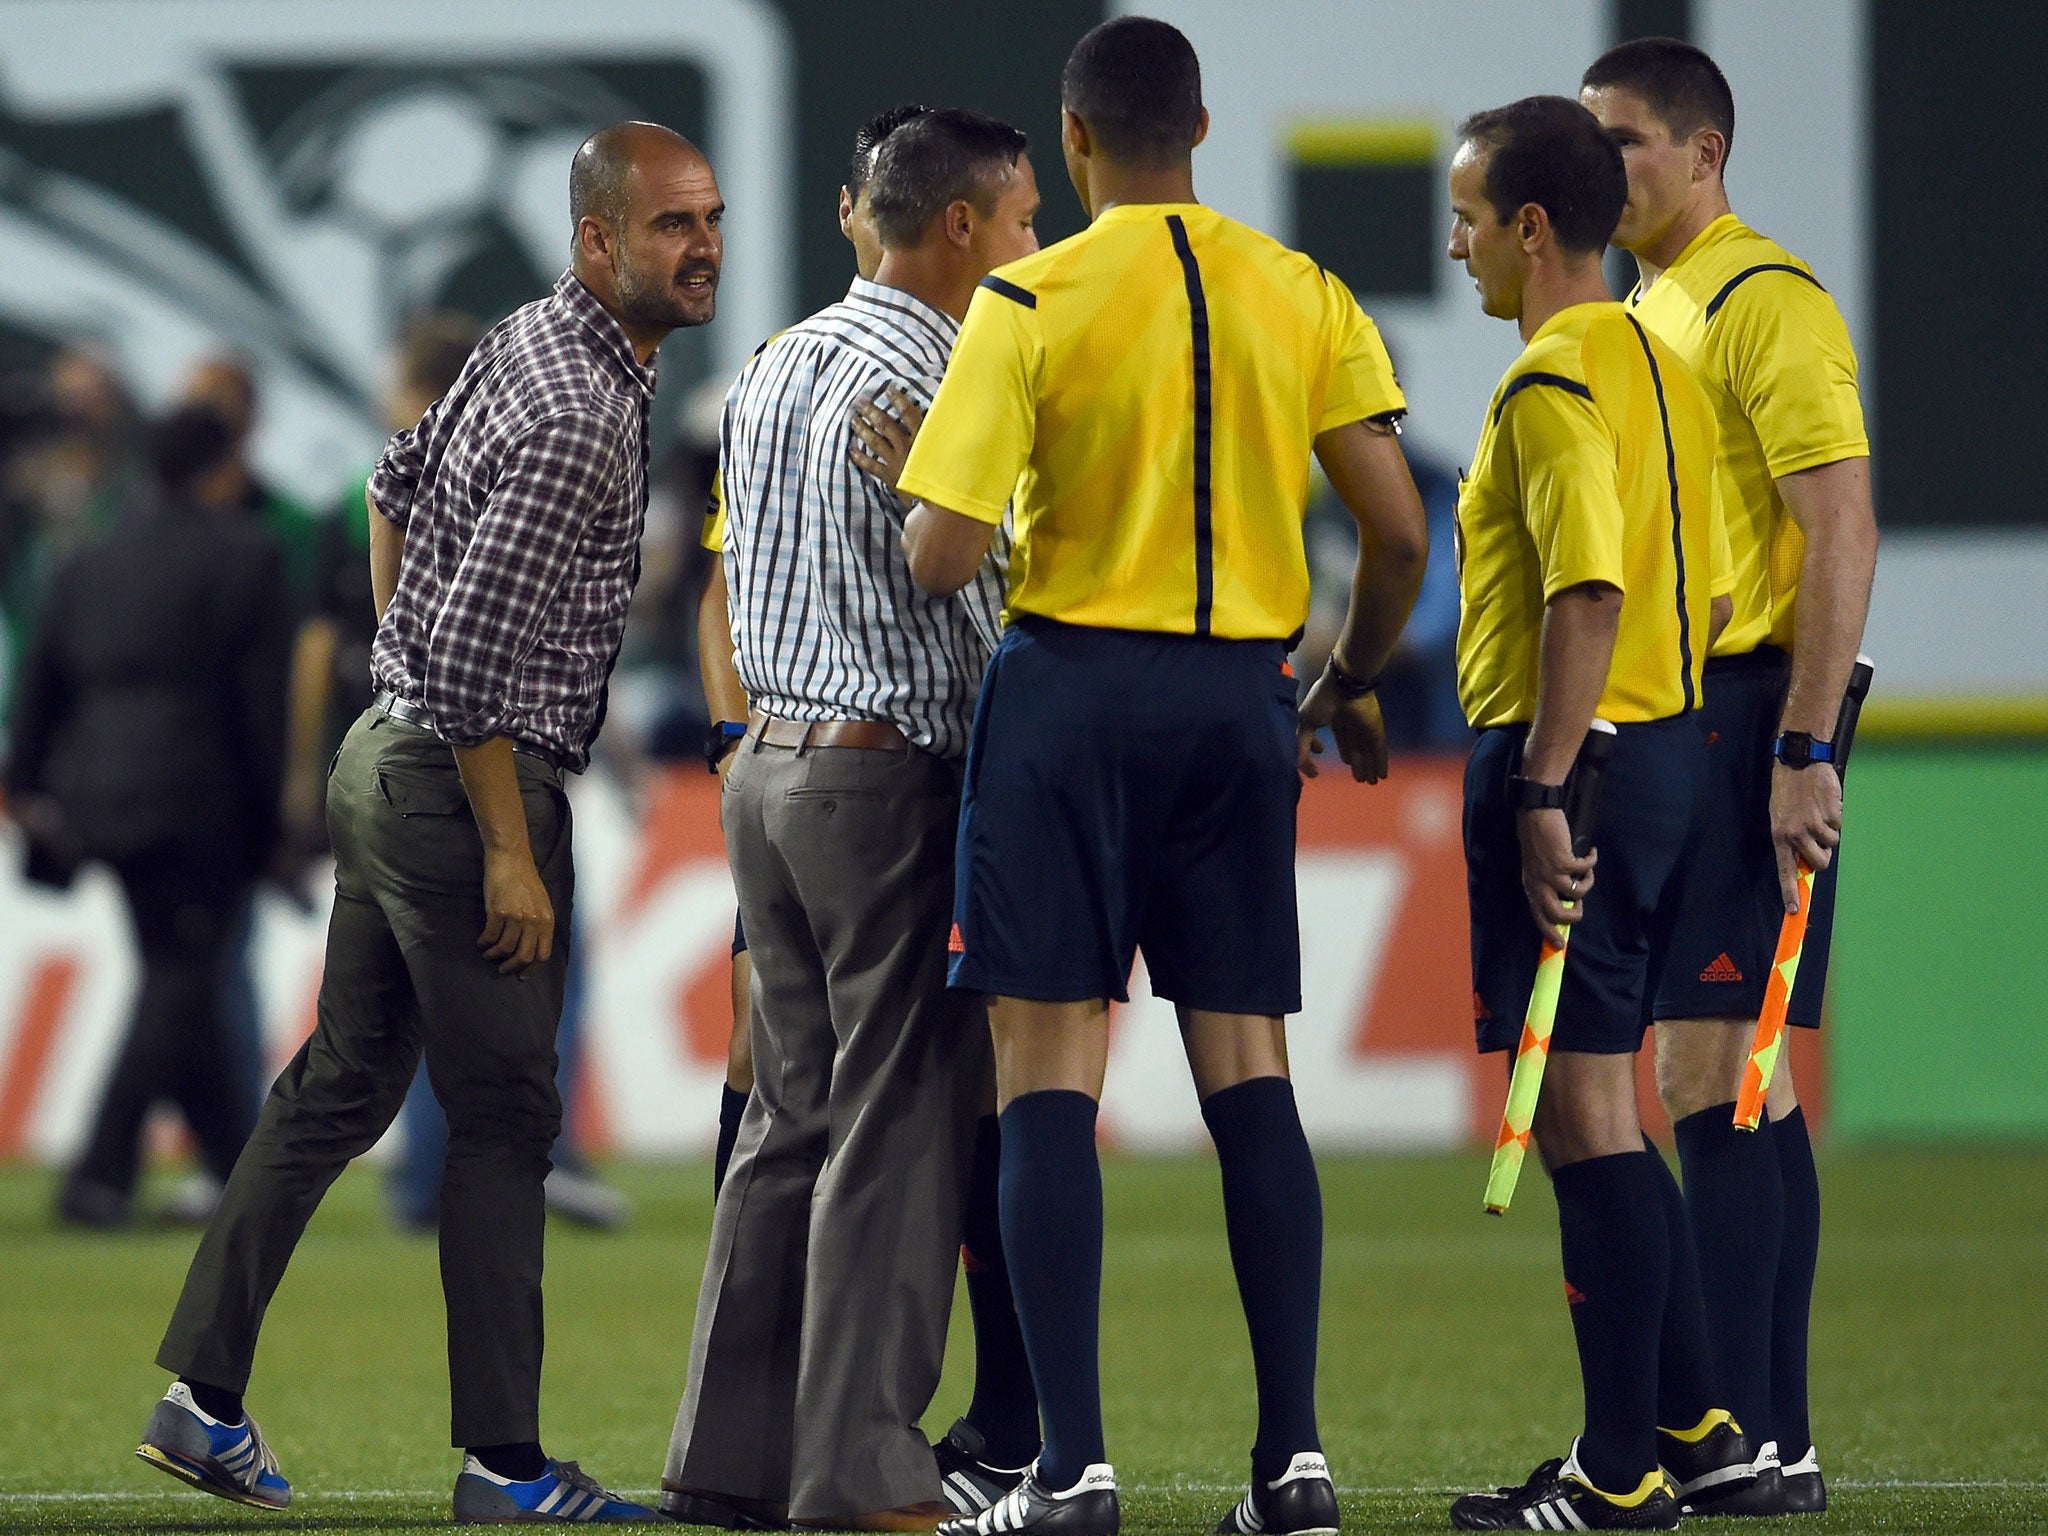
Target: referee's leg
1050	1062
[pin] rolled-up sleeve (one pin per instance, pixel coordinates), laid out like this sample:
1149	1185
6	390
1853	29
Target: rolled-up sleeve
552	485
396	478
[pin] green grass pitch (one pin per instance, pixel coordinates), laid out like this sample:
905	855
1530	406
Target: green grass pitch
1446	1351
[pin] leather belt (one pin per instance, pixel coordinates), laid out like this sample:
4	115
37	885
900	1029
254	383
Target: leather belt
871	735
408	713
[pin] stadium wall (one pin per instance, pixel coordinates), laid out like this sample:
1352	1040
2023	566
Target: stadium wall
1381	1052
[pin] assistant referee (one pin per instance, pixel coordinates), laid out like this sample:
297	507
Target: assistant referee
1591	577
1768	342
1150	392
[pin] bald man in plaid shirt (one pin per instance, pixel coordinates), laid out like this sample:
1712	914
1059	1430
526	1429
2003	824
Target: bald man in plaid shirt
505	539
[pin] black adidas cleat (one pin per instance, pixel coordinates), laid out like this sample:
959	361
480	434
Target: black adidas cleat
1557	1497
1794	1490
967	1478
1712	1461
1302	1501
1805	1490
1087	1509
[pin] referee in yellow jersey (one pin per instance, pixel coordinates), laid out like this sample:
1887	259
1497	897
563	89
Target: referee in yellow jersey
1150	392
1769	345
1588	552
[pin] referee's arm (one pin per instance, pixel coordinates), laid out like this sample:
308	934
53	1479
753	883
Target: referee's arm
1370	476
944	548
1366	469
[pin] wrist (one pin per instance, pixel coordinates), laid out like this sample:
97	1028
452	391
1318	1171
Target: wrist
1349	684
719	741
1535	794
1800	749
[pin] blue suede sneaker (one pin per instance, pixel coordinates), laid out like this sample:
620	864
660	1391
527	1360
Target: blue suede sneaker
562	1495
229	1460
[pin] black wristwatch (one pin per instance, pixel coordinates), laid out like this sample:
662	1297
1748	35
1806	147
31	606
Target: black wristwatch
1796	749
1534	794
1349	685
723	736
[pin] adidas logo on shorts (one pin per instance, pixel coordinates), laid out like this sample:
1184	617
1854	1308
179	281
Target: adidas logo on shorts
1722	969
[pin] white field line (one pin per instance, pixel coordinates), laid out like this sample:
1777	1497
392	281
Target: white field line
1972	1485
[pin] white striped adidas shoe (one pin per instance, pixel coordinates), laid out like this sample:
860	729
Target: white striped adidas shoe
1559	1497
563	1495
228	1460
1302	1501
1089	1508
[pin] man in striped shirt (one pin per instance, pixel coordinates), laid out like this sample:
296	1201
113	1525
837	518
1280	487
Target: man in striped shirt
821	1327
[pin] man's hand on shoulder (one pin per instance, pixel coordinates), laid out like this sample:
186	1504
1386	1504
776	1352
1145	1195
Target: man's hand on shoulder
1806	822
883	431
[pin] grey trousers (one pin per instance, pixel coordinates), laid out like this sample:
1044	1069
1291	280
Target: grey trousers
821	1326
403	972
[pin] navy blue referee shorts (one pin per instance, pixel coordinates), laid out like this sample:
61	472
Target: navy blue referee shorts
1640	830
1130	791
1724	927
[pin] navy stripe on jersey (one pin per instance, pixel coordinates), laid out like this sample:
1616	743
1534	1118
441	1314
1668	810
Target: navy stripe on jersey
1010	291
1522	381
1714	305
1677	531
1198	320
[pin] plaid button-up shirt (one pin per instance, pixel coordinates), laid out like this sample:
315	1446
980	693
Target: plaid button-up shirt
522	494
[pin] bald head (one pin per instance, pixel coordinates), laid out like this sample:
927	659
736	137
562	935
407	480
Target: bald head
603	169
647	212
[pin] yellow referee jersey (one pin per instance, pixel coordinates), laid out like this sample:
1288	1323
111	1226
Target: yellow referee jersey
713	536
1150	391
1769	347
1595	464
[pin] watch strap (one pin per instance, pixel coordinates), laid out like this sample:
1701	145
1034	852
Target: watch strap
1534	795
1349	684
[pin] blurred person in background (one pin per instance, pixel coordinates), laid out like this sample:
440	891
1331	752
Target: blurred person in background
149	733
67	481
226	384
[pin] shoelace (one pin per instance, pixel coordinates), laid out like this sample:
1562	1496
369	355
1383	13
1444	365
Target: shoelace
579	1479
1542	1477
266	1458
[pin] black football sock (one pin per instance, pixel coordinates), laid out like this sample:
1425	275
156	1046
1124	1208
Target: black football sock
1273	1207
215	1402
731	1105
521	1462
1005	1408
1052	1233
1737	1205
1617	1261
1792	1302
1688	1388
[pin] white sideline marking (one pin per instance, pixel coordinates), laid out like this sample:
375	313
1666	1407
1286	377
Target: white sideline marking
1971	1485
